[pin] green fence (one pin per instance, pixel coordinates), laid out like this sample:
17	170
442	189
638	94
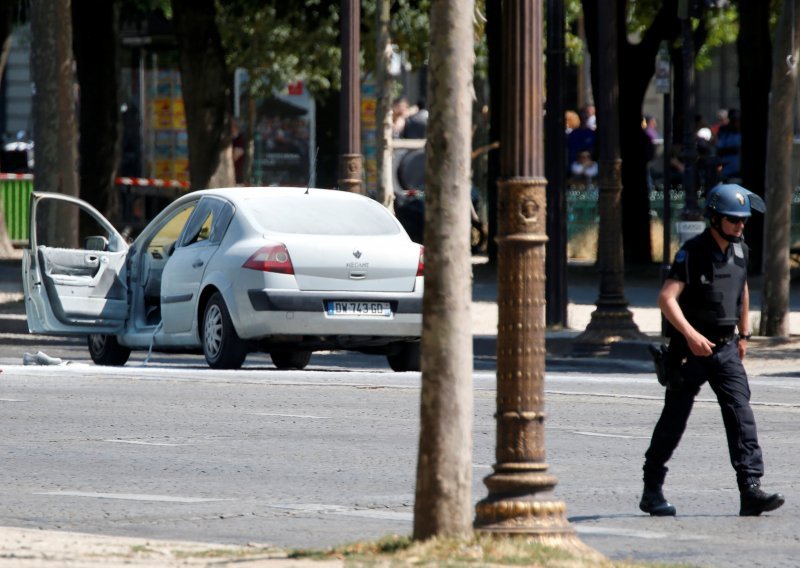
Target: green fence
16	196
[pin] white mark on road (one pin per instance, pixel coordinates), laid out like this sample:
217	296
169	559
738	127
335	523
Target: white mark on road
132	497
143	443
12	400
649	535
384	514
290	415
624	436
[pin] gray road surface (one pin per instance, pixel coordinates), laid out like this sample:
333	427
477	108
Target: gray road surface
174	450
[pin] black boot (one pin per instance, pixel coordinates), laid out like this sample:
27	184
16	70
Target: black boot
755	501
653	502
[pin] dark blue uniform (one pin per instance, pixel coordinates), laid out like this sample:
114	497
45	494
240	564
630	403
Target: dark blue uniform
712	303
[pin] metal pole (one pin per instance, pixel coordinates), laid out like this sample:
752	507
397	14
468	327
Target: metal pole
515	503
689	153
555	170
350	163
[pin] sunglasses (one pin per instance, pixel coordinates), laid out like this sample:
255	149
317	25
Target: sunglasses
736	220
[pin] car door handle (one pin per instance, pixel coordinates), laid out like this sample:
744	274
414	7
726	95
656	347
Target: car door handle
197	264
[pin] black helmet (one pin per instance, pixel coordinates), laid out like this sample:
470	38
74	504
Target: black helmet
734	200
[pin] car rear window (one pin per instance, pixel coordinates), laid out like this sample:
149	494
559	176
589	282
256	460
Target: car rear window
320	214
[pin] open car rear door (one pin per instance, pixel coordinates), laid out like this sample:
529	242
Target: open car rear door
74	271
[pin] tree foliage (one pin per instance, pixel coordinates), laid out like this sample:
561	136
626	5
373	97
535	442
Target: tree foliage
279	42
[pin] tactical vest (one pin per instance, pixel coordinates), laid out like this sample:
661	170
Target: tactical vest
713	294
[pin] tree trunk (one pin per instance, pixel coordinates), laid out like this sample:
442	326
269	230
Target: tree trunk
755	64
96	41
6	21
55	133
778	192
632	89
206	85
443	503
384	111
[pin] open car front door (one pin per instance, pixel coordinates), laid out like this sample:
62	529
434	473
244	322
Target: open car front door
73	274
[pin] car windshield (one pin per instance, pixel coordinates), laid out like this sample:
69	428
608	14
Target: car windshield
320	214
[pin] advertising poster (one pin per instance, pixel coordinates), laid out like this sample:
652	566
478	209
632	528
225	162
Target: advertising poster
284	138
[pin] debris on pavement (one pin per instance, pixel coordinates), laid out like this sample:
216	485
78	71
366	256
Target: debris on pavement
40	358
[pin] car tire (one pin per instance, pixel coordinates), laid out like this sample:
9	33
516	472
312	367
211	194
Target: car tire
405	357
290	358
106	350
221	344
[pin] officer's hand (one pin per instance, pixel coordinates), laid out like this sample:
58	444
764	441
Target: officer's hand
742	343
699	345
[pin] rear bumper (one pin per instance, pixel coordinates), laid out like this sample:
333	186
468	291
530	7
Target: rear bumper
284	312
280	301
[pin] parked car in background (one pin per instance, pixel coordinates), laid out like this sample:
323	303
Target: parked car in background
287	271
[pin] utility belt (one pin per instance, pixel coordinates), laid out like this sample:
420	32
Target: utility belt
669	361
720	336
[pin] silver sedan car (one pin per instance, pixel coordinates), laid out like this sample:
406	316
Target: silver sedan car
287	271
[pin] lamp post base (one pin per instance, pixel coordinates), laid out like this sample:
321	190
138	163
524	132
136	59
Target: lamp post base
610	323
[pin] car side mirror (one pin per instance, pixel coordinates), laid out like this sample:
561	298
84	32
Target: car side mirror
95	243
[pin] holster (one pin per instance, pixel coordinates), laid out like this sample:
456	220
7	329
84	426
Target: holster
669	361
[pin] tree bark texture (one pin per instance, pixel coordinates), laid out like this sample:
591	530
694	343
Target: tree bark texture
54	123
755	65
443	503
6	22
95	42
778	191
383	51
206	85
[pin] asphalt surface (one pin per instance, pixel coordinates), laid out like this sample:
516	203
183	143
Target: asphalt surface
600	414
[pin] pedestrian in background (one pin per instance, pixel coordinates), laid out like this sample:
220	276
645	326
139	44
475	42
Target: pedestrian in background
705	298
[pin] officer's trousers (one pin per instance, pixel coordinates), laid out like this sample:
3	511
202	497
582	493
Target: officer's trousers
726	375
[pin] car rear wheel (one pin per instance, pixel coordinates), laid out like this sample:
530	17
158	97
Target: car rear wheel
290	358
106	350
221	344
404	357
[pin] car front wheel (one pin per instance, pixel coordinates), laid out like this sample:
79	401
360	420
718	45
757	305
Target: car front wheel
221	344
404	357
106	350
290	358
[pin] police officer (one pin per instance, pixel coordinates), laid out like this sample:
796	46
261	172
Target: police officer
705	298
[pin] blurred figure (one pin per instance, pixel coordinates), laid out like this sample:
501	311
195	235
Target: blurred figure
584	168
591	115
571	121
729	145
238	149
722	120
580	139
400	110
417	124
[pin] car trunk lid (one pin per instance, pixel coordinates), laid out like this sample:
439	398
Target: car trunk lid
374	264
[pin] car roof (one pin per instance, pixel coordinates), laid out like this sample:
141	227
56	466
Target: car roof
237	195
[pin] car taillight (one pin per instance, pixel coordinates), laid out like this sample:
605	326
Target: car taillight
273	258
421	264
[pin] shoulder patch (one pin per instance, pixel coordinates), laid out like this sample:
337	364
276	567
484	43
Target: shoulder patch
680	256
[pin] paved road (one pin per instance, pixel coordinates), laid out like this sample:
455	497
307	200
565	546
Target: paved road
307	459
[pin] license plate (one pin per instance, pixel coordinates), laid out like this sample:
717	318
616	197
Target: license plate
359	309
